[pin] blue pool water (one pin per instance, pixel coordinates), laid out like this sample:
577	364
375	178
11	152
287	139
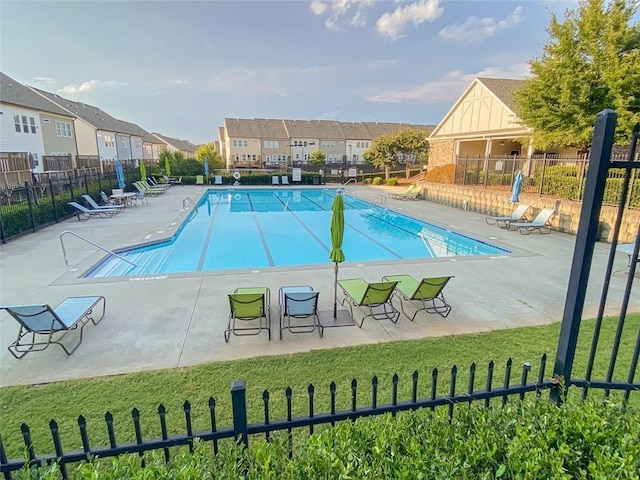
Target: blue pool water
240	229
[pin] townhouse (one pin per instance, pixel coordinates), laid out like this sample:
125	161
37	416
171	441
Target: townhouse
187	148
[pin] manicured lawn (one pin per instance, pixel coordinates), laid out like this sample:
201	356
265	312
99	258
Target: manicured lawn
65	401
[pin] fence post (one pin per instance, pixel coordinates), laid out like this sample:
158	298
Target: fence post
239	411
86	183
3	236
544	167
71	187
53	200
33	220
586	236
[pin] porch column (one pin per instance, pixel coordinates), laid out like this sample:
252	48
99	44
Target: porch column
457	151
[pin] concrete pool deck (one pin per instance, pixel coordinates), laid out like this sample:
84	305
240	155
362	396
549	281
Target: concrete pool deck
168	321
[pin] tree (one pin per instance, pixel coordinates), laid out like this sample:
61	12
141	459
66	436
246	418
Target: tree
385	149
208	151
590	62
317	158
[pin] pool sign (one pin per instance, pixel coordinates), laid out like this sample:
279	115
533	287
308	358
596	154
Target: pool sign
353	172
296	175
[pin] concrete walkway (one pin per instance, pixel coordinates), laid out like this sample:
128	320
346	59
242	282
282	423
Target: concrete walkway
168	321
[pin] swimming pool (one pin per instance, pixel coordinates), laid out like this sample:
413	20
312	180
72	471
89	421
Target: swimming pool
253	229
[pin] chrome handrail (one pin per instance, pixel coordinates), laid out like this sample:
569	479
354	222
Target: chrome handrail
380	199
64	252
353	179
190	200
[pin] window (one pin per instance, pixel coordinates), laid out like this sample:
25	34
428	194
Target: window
235	143
108	141
16	121
327	144
246	144
25	125
63	129
270	144
32	122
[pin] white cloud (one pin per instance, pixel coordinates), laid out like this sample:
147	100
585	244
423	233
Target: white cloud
44	81
476	30
181	82
446	89
327	115
393	24
89	86
317	8
349	12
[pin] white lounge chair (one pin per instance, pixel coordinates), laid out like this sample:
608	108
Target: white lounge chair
217	180
83	213
541	223
518	215
275	180
285	180
93	205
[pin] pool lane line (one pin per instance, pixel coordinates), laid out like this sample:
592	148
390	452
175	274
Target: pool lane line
205	247
264	241
304	225
373	240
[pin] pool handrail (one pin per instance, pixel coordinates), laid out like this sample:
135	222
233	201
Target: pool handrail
64	252
190	200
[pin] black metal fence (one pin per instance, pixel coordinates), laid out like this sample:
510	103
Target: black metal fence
561	378
544	175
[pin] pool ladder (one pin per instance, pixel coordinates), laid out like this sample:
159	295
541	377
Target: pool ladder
354	180
64	252
380	200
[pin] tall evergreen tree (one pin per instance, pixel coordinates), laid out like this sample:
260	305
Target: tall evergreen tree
590	62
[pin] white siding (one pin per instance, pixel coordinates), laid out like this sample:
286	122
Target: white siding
12	141
107	145
136	147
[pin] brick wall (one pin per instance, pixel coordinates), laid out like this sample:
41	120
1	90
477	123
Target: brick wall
491	202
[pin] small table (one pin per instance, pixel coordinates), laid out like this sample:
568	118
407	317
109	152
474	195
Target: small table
125	199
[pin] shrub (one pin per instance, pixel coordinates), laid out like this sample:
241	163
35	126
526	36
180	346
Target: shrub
392	182
376	181
367	181
530	439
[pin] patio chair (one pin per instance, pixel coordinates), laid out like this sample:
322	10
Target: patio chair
158	186
148	190
299	303
518	215
199	179
217	180
414	192
249	305
168	180
627	249
106	200
83	213
427	293
41	325
275	180
93	205
374	297
285	180
177	181
142	197
542	223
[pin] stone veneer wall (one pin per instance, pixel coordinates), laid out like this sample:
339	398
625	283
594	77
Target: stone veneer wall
441	153
492	202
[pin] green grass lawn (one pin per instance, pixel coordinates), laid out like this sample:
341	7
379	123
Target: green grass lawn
65	401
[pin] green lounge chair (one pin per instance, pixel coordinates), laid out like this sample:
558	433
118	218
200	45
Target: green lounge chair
542	223
375	297
41	325
155	186
428	292
199	179
148	191
410	192
249	305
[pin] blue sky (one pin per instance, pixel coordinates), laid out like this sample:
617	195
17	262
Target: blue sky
180	67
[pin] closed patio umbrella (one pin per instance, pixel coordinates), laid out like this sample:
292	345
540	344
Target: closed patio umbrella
516	188
143	170
337	235
119	174
206	167
167	169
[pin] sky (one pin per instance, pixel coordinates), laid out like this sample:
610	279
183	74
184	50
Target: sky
179	68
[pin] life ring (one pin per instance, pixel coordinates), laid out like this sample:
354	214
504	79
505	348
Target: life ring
237	196
236	175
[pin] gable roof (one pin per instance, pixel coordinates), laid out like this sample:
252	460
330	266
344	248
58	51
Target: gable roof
503	89
92	115
182	145
241	127
13	92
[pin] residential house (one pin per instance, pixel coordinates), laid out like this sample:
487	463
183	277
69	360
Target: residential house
358	141
34	126
187	148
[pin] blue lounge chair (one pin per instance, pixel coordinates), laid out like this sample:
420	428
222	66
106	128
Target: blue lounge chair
285	180
217	180
427	293
249	305
41	325
83	213
518	215
374	297
275	180
542	223
299	303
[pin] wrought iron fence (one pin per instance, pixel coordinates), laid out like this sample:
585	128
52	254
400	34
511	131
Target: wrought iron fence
544	175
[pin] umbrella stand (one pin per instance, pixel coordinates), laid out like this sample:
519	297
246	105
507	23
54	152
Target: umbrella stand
335	293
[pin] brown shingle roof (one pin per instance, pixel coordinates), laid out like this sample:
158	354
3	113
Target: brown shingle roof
503	88
182	145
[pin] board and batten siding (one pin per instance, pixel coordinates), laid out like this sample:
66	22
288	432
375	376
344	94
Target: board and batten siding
107	145
56	140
